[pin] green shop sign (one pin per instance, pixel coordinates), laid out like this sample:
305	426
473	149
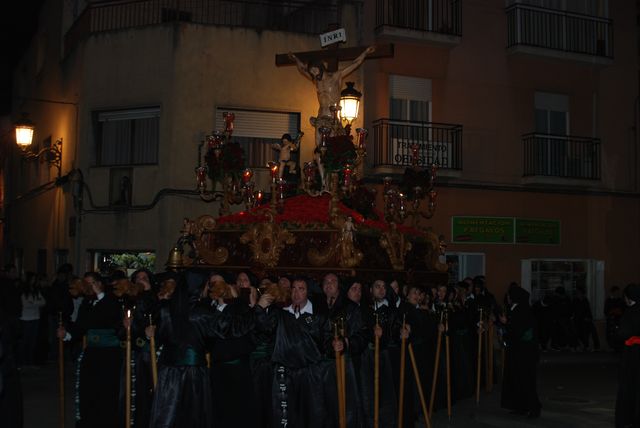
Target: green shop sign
497	230
532	231
504	230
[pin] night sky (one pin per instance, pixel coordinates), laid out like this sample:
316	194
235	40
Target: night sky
16	31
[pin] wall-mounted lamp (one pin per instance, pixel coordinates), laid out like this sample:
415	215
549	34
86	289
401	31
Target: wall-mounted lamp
52	154
350	103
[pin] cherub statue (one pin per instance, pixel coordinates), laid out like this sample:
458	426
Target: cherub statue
285	147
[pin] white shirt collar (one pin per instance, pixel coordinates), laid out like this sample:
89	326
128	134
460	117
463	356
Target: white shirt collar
383	302
307	309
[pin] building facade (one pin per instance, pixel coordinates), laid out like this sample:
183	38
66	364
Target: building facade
528	108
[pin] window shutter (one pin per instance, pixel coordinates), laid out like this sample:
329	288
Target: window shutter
410	88
260	124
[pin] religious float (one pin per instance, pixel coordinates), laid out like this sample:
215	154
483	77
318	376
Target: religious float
312	223
320	217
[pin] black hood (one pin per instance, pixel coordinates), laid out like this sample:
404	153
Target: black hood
519	295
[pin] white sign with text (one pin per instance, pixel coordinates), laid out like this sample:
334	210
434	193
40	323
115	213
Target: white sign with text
339	35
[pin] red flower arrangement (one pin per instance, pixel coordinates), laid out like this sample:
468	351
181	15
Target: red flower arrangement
229	162
340	152
306	210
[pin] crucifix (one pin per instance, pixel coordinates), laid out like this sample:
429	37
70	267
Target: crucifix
322	68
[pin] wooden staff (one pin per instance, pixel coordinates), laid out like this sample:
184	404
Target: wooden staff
341	411
152	351
448	358
402	366
486	355
479	366
376	379
503	352
127	375
435	368
60	375
490	357
343	378
416	374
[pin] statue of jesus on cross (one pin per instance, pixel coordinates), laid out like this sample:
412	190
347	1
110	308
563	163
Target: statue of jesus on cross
328	83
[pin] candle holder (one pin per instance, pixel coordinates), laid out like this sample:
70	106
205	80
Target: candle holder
273	171
228	117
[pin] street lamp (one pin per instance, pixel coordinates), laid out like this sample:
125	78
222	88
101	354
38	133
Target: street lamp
24	137
24	132
350	103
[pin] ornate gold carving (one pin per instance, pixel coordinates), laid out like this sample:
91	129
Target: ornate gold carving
321	257
396	246
267	240
348	254
437	248
199	235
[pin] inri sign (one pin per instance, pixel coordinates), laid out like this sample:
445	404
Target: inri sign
339	35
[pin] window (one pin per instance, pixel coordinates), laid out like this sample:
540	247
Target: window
463	265
410	98
108	261
257	130
542	276
551	113
551	125
127	137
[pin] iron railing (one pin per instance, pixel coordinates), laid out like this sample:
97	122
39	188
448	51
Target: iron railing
306	17
561	156
437	16
559	30
438	143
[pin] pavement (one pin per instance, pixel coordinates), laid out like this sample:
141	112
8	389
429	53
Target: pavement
576	390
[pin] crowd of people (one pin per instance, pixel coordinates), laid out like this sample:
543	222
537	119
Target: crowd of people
223	349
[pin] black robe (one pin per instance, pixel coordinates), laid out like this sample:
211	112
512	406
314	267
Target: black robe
461	327
298	400
345	313
230	373
183	393
422	339
11	403
388	411
628	398
519	385
100	363
144	311
261	365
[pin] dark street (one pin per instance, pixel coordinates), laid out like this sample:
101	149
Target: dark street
576	390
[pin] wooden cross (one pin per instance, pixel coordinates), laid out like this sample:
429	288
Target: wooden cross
333	54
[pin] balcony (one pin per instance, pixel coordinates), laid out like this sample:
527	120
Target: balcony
566	157
438	143
559	34
437	21
304	17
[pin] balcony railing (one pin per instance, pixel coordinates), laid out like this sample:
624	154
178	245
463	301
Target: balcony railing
437	16
307	17
559	30
561	156
438	143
